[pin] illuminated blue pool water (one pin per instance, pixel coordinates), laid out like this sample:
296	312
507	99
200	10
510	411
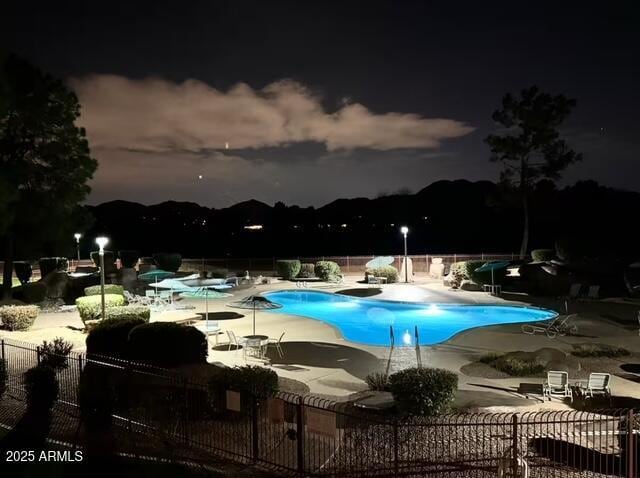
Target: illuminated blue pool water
367	320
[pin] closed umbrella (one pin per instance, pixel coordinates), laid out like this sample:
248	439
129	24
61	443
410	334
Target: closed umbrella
492	266
255	302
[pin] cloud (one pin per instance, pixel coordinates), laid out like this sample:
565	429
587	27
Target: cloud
158	116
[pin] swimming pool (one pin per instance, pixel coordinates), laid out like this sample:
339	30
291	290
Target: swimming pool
367	320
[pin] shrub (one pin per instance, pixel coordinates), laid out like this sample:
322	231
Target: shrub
108	289
390	272
110	337
90	307
42	388
288	269
55	354
327	271
218	272
599	350
4	376
52	264
250	380
128	258
378	381
18	317
24	271
543	255
167	344
423	391
306	270
168	261
109	261
31	293
125	312
516	367
457	274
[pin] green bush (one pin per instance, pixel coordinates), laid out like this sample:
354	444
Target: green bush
31	293
378	381
55	354
109	261
108	289
327	271
41	385
288	269
23	270
168	261
423	391
250	380
457	274
125	312
90	307
599	350
4	377
128	258
52	264
167	344
307	270
390	272
543	255
217	272
18	317
516	367
110	337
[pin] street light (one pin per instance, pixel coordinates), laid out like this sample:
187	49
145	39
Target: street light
77	235
102	241
405	230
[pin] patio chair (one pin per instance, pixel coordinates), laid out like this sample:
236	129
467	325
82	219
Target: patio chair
594	292
574	291
557	384
134	299
597	383
273	343
234	340
561	325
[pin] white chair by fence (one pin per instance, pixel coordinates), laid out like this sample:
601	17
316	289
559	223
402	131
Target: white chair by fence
557	385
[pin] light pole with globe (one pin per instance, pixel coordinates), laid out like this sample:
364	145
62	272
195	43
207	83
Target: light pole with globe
405	230
77	235
102	241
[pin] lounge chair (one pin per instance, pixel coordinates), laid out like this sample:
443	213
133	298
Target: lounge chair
574	291
557	384
273	343
561	325
134	299
597	383
594	292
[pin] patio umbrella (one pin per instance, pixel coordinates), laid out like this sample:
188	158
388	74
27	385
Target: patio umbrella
492	266
380	262
255	302
206	294
155	275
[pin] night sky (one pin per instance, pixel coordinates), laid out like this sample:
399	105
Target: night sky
305	102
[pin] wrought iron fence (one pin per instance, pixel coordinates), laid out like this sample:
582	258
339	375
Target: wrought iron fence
310	436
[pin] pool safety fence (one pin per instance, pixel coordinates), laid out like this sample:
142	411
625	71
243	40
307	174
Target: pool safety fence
160	414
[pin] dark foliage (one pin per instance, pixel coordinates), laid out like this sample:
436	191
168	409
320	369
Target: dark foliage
168	261
30	293
423	391
110	337
55	354
109	261
288	269
253	382
23	270
307	270
52	264
543	255
41	385
129	258
167	344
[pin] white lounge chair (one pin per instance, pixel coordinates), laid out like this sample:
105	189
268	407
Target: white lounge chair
557	385
597	383
134	299
561	325
276	345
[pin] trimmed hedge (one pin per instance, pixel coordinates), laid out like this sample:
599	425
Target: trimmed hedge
288	269
108	289
167	344
110	337
423	391
41	385
307	270
543	255
18	317
125	312
252	381
23	270
52	264
327	271
514	366
390	272
128	258
55	354
168	261
90	307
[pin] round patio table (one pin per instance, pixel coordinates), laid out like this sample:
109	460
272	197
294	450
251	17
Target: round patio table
260	340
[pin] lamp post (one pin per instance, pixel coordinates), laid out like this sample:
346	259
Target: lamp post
405	230
102	241
77	235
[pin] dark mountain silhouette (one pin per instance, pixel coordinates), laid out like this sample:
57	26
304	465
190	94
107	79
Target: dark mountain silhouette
444	217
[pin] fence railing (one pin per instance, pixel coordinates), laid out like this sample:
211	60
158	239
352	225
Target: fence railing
310	436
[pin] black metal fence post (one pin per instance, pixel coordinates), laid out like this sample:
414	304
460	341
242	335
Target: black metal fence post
254	430
2	353
514	432
396	466
631	446
300	435
38	354
79	370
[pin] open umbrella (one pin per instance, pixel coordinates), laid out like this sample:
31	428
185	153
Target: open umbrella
255	302
155	275
206	294
492	266
380	262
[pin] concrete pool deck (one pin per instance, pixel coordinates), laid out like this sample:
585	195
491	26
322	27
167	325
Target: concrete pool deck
316	354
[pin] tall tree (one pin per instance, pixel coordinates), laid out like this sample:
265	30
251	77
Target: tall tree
45	161
529	145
